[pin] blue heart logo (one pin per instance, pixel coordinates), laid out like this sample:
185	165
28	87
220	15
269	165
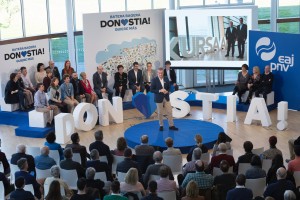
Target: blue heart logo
24	53
144	103
124	21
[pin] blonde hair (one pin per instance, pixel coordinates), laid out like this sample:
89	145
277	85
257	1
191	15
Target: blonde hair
257	69
82	73
198	138
192	189
132	176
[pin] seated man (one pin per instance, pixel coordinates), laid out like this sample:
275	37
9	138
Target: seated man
81	194
273	151
266	84
152	186
190	166
26	80
43	161
144	148
215	160
198	140
171	74
164	184
170	150
93	184
21	153
135	79
115	192
246	158
20	193
240	192
100	83
67	94
69	164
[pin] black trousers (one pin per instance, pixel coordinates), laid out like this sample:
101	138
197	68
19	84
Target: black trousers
230	45
122	92
241	47
239	91
264	91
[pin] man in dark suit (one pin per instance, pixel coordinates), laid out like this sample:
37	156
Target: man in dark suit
230	37
100	83
21	149
54	69
240	192
69	164
241	38
266	83
78	89
246	158
135	79
170	74
20	193
102	148
160	86
144	149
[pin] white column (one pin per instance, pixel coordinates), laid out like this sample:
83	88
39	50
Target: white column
70	33
273	17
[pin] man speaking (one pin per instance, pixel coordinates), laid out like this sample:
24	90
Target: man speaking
160	86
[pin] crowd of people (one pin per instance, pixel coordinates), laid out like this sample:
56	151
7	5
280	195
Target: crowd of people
146	178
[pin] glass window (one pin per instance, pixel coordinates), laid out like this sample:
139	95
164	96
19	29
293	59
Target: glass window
59	51
191	2
263	9
58	19
230	76
288	8
264	27
290	27
35	16
138	4
161	4
215	2
79	54
10	20
84	7
107	6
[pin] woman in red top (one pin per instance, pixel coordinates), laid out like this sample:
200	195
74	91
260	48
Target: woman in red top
67	68
91	96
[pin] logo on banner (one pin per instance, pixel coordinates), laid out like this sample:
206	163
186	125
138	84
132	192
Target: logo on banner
265	48
22	54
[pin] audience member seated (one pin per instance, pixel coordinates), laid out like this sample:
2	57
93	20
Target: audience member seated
4	162
67	70
77	148
170	150
115	192
81	194
54	192
120	81
67	94
128	163
204	181
121	146
20	193
47	80
144	149
273	151
6	183
79	93
198	140
55	95
131	183
152	186
50	142
255	171
43	161
246	158
289	195
294	165
40	73
192	192
69	164
102	148
29	179
89	93
240	192
164	184
28	97
241	83
222	138
225	181
266	84
101	83
53	69
215	160
277	189
26	80
190	166
148	75
94	186
41	103
21	153
291	149
98	165
254	83
12	93
154	168
55	173
135	79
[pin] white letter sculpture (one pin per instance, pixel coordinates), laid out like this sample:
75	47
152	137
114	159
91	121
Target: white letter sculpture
207	99
64	127
91	118
231	108
177	101
282	115
110	112
258	111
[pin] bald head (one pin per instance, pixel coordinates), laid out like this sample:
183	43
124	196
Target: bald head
144	139
157	156
267	69
281	173
21	148
199	166
45	151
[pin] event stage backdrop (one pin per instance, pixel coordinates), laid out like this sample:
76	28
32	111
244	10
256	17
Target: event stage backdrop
28	54
282	52
117	38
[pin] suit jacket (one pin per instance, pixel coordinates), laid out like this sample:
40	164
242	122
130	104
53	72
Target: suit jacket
21	194
154	170
172	75
239	193
145	75
69	164
132	79
156	86
77	148
242	33
120	80
78	89
98	83
55	72
5	163
231	35
11	98
29	179
30	160
100	167
126	164
246	158
144	149
103	150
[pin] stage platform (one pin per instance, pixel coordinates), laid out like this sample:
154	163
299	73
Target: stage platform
183	138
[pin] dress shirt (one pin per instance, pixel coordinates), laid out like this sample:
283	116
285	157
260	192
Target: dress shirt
100	76
44	162
164	184
136	78
40	100
203	180
162	82
26	81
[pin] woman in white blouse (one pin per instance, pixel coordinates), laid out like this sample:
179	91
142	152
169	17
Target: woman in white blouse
40	74
131	183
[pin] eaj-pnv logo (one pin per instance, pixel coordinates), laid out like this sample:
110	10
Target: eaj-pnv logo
265	49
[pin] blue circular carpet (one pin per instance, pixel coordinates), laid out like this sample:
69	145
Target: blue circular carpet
183	139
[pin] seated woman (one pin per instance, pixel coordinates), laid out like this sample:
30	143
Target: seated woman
54	192
121	146
55	94
47	79
255	171
41	104
91	96
12	93
222	138
120	81
40	74
67	69
241	83
27	93
192	192
253	83
131	183
50	142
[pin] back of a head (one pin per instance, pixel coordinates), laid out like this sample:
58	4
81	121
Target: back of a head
20	182
90	173
256	161
224	166
164	171
277	161
121	144
240	179
144	139
132	176
198	139
94	154
74	138
127	153
54	170
197	152
157	157
152	186
22	163
281	173
297	146
115	187
45	151
98	135
192	190
289	195
54	191
248	146
81	183
169	142
68	153
21	148
222	137
199	165
273	141
51	137
222	147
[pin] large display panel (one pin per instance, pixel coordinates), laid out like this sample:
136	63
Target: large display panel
197	38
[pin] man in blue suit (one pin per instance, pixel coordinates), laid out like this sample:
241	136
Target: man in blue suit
241	37
135	79
100	83
240	192
160	86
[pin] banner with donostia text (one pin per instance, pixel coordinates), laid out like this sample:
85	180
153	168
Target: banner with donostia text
281	51
28	54
115	38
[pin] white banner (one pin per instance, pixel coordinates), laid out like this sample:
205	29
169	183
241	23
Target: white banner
28	54
111	39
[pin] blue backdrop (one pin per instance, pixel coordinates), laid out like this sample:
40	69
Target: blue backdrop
282	52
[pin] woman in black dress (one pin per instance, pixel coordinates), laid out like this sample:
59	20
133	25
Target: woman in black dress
12	93
253	83
120	81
